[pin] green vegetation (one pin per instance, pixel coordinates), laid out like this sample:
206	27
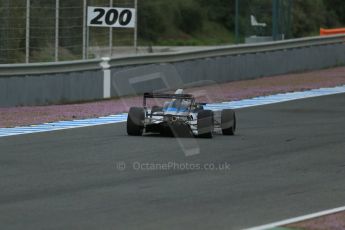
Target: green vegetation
161	22
182	22
204	22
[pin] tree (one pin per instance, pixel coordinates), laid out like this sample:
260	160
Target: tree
308	17
335	16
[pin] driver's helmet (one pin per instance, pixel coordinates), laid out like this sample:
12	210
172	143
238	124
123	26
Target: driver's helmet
177	105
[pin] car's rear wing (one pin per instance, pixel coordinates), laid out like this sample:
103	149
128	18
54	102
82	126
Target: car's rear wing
167	96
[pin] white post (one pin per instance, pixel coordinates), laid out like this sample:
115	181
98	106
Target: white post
106	77
27	33
57	30
84	29
136	26
111	35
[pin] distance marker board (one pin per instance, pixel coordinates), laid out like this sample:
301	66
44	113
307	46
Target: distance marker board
111	17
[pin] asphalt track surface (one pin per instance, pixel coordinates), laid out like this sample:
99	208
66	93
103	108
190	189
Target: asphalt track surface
287	160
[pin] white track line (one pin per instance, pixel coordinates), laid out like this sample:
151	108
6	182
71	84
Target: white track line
298	219
277	98
257	101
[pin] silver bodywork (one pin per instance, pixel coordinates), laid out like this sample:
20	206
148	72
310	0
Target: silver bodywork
179	112
188	118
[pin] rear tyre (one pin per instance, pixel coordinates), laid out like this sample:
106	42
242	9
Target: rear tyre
135	121
228	122
205	123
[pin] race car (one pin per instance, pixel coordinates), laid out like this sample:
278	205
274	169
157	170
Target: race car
179	116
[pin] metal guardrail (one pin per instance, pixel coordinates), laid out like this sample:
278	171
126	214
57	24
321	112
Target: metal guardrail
76	66
48	67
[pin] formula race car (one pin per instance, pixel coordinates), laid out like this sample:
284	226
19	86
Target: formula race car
180	116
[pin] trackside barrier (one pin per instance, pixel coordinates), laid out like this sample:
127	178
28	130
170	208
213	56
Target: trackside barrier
327	32
76	81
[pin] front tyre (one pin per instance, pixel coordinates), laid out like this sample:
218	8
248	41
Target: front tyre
135	121
228	122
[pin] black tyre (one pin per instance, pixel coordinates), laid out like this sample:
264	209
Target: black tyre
135	121
228	122
205	123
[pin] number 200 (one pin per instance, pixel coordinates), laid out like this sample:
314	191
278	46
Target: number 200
111	17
